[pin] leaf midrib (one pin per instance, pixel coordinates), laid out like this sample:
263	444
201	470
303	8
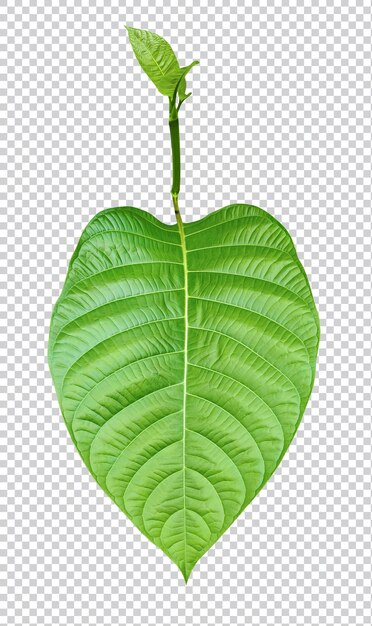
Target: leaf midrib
184	258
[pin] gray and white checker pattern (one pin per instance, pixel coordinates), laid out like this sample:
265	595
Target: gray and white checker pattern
280	117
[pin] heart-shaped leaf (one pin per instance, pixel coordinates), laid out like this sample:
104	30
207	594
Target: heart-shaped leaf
183	360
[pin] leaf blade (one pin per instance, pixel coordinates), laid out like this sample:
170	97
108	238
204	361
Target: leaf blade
117	356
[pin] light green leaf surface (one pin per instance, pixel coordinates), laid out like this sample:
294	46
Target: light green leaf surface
183	363
159	62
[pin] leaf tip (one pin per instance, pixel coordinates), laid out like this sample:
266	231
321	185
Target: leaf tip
186	576
131	31
186	572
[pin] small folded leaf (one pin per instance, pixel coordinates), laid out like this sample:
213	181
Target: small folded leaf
180	87
159	62
182	91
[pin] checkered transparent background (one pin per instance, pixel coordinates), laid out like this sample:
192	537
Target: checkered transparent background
280	117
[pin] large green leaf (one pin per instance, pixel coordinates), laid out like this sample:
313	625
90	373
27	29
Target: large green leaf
183	362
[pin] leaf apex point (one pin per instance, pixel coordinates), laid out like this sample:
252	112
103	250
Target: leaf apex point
185	576
186	572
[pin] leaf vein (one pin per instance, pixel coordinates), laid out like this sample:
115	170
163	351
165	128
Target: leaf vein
116	267
209	369
218	332
128	232
235	418
121	332
235	219
96	308
119	370
122	453
227	456
256	313
265	280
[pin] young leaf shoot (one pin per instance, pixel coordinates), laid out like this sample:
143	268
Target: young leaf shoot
183	355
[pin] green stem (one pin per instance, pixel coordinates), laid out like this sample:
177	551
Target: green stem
176	160
176	207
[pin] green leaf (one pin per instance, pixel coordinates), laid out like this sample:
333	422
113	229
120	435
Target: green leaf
183	360
158	60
